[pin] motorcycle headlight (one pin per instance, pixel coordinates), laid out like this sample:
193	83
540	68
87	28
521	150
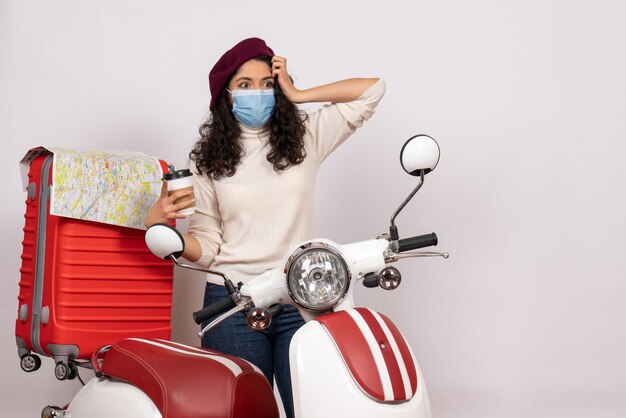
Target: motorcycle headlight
317	276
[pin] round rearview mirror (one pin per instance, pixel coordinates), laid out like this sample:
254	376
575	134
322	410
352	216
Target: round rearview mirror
419	153
163	241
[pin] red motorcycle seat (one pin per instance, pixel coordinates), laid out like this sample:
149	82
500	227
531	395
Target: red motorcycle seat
189	382
375	352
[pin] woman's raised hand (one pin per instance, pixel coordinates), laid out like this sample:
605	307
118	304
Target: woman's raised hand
338	92
165	209
279	70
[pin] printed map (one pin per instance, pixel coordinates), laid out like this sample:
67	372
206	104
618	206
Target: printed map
114	187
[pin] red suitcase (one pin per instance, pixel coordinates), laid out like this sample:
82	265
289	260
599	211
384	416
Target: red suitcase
84	284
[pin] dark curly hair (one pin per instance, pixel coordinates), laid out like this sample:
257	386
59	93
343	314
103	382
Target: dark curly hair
218	151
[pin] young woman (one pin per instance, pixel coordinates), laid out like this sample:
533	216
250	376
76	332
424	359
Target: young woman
255	165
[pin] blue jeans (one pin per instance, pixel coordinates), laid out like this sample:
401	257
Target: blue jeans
268	350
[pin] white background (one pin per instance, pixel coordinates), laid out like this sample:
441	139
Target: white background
526	98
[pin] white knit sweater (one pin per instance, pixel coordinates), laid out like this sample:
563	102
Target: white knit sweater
246	223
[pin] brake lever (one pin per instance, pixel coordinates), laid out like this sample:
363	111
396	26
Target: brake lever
243	303
390	258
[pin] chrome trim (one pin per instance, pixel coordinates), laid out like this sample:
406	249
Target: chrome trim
389	284
316	245
258	319
104	349
52	412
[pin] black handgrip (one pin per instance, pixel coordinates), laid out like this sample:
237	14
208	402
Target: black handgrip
213	309
370	280
420	241
276	310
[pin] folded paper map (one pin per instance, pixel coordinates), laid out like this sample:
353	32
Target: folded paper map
113	187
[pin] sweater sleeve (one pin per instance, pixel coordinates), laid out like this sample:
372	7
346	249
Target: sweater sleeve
206	224
333	123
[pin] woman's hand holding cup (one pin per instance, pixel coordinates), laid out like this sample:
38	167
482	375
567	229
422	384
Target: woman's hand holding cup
175	204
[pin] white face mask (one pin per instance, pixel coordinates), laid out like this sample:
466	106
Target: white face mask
253	108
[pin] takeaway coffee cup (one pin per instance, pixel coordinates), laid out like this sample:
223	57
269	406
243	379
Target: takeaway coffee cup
181	180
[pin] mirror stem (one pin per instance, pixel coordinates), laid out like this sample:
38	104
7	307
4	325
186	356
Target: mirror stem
217	273
393	230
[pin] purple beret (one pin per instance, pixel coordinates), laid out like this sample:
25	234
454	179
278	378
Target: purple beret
232	59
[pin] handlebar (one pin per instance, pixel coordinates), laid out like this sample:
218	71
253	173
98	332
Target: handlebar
213	310
419	241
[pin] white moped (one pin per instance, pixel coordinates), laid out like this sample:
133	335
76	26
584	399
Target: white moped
345	361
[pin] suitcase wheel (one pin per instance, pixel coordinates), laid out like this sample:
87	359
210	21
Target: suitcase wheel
73	372
63	371
30	362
